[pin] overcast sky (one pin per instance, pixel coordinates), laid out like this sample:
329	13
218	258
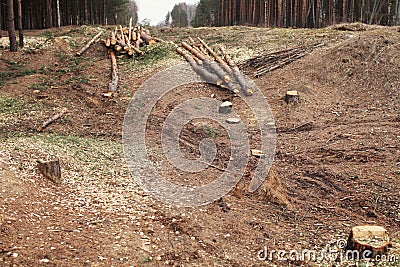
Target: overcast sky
156	10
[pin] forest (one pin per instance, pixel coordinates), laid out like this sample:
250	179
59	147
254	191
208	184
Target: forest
42	14
295	13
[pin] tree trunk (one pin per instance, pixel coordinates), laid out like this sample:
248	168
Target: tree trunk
85	12
318	14
104	13
11	26
1	19
20	32
58	14
304	13
49	17
344	14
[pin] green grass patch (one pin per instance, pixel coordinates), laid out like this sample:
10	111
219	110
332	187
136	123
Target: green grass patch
10	105
16	70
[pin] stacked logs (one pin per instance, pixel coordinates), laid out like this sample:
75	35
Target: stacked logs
128	40
214	68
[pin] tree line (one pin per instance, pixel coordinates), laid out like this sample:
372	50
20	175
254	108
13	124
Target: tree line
181	15
40	14
295	13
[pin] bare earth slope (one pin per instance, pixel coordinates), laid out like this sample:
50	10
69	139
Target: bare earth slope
337	153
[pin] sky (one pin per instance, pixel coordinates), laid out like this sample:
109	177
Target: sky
156	10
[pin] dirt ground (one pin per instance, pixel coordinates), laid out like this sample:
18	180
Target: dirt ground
337	155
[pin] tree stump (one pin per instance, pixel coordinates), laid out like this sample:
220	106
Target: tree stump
233	120
51	170
225	108
292	97
273	190
369	240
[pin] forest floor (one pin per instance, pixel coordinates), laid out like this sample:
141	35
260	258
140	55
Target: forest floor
341	170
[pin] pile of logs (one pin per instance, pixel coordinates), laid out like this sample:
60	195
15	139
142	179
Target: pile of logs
122	41
126	41
270	61
214	68
129	39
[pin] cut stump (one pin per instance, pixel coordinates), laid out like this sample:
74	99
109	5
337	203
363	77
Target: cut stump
272	189
51	170
292	97
369	240
225	108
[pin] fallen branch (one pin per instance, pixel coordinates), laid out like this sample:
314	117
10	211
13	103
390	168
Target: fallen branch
89	44
270	61
52	119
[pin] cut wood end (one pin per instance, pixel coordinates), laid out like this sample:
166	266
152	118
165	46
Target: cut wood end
292	93
108	94
369	237
233	120
227	78
249	92
292	97
257	153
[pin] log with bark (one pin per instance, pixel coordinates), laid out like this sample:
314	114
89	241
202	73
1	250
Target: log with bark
128	40
113	86
94	39
205	60
52	119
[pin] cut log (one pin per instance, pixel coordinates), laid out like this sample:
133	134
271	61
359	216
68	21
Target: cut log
52	119
195	52
204	73
113	38
137	51
113	86
369	240
257	153
211	65
89	44
51	170
159	40
217	58
292	97
146	37
122	40
130	31
107	42
245	86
